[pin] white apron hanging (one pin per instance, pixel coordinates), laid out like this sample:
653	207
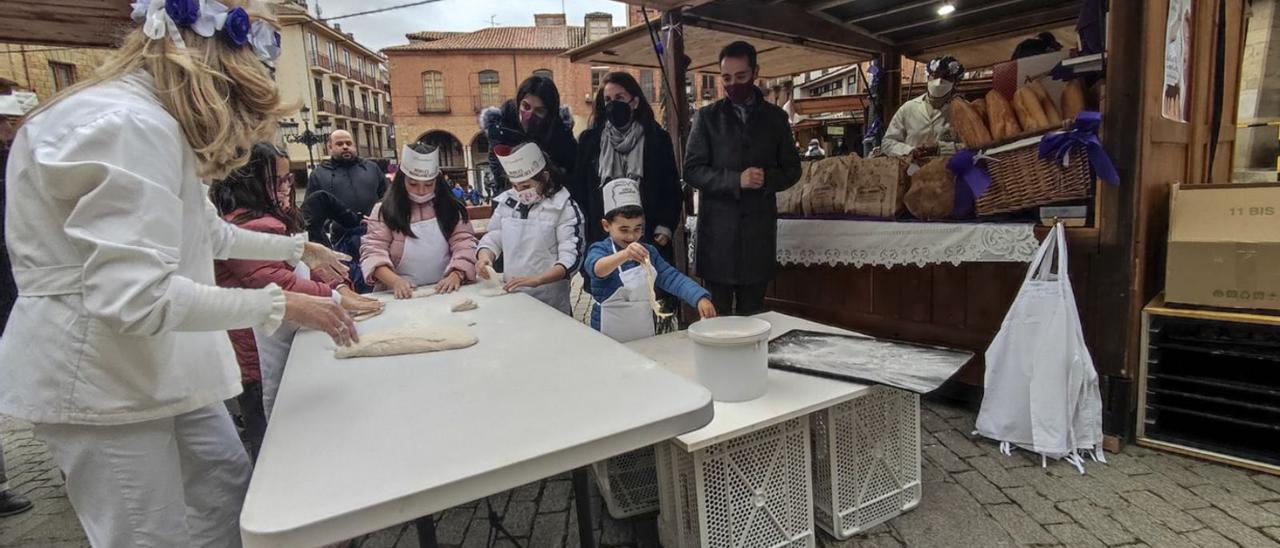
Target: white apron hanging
426	257
626	315
529	248
273	351
1041	390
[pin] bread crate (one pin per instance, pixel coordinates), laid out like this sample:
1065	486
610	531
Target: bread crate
628	483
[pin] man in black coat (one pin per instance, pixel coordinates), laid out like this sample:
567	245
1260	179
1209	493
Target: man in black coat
342	188
740	155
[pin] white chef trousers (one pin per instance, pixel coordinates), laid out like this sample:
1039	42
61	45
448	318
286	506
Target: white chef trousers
177	481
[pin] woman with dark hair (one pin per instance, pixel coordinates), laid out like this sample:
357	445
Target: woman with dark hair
534	115
260	197
419	235
625	141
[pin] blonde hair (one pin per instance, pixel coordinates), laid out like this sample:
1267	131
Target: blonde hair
222	96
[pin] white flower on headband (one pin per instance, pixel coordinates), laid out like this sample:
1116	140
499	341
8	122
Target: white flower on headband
206	18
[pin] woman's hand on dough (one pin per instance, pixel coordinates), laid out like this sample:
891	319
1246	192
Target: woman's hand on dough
355	303
449	283
403	288
706	309
638	252
327	262
321	314
523	281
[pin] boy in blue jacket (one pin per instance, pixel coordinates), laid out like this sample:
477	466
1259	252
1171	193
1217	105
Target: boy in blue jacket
617	270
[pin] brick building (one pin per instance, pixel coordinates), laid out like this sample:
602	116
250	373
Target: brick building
47	70
440	81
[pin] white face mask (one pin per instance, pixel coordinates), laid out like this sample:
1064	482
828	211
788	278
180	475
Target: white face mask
528	196
421	198
939	88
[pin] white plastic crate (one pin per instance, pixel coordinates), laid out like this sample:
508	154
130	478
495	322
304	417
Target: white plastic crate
752	491
866	460
628	483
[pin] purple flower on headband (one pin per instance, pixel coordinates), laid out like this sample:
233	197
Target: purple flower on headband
183	12
237	27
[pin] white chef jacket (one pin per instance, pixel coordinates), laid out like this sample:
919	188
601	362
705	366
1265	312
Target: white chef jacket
112	239
917	123
533	239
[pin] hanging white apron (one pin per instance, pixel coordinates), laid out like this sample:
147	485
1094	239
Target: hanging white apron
426	257
529	248
273	351
627	315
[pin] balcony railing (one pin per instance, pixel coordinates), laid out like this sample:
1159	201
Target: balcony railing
344	110
343	69
320	60
432	105
328	106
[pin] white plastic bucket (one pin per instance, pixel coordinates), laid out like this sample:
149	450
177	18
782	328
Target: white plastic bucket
731	357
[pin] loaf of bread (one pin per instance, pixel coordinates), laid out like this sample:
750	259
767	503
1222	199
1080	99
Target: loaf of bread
933	191
980	105
969	124
1073	99
1051	112
1030	115
1001	119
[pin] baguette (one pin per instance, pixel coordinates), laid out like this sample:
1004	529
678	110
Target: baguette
1073	99
1051	112
969	124
980	105
1030	116
1000	116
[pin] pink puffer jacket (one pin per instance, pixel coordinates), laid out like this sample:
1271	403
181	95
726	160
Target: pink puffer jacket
382	246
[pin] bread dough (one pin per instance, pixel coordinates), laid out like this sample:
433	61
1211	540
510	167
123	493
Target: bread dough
464	305
366	315
492	287
409	339
418	293
651	275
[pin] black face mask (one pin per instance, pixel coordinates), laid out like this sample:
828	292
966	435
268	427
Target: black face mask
618	113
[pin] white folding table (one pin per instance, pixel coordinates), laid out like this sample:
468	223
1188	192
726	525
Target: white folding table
358	445
745	479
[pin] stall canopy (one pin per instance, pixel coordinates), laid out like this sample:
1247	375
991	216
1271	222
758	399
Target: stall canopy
805	35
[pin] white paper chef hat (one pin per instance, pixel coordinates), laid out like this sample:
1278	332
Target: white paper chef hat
419	165
523	163
620	193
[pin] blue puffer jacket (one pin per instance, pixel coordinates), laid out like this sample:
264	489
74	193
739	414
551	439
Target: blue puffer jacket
669	279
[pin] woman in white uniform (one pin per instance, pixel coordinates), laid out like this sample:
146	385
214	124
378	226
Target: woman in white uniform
419	234
536	228
115	347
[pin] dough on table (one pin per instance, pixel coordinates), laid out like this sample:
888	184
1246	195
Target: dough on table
464	305
418	293
408	339
492	287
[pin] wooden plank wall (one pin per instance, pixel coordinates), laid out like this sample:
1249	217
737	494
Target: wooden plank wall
80	23
959	306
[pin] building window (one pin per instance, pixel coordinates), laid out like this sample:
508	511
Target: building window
333	55
597	76
64	75
433	90
351	98
708	86
545	73
489	93
598	28
319	83
646	84
346	58
337	94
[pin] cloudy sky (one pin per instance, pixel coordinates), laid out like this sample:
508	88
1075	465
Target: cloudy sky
380	30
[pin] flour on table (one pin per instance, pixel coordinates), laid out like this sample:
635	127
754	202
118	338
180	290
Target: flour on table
408	339
463	305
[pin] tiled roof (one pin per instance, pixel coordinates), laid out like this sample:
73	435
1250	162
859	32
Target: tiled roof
431	35
545	38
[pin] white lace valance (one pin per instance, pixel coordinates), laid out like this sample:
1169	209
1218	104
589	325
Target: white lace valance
883	243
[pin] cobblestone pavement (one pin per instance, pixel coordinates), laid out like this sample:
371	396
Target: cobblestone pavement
974	497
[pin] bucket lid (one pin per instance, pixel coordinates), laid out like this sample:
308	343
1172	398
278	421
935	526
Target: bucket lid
729	331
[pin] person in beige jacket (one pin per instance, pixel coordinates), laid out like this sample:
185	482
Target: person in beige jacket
115	347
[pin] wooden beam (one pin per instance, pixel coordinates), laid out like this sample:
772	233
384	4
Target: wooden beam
827	4
993	29
967	11
891	11
782	21
71	23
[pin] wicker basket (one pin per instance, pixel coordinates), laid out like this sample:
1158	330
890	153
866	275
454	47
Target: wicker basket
1021	179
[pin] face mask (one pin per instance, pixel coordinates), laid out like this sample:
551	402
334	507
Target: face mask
421	198
528	196
618	113
739	93
529	120
939	88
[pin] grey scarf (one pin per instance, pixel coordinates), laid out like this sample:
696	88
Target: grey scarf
621	153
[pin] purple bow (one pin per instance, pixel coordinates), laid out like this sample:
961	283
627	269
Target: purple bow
1084	133
972	180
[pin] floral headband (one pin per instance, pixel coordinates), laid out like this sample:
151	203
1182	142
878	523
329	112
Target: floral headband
206	17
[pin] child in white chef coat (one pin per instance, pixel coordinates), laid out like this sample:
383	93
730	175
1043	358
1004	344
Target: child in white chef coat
621	306
536	228
419	235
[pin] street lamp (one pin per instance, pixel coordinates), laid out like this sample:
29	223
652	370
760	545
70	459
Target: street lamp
307	137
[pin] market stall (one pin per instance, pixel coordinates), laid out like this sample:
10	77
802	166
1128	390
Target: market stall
1116	234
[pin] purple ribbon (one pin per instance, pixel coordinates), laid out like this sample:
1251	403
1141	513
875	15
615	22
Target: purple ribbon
1084	133
972	181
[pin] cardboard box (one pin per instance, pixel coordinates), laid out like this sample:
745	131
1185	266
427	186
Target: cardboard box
1224	246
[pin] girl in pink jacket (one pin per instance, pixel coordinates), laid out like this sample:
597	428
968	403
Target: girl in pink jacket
419	235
